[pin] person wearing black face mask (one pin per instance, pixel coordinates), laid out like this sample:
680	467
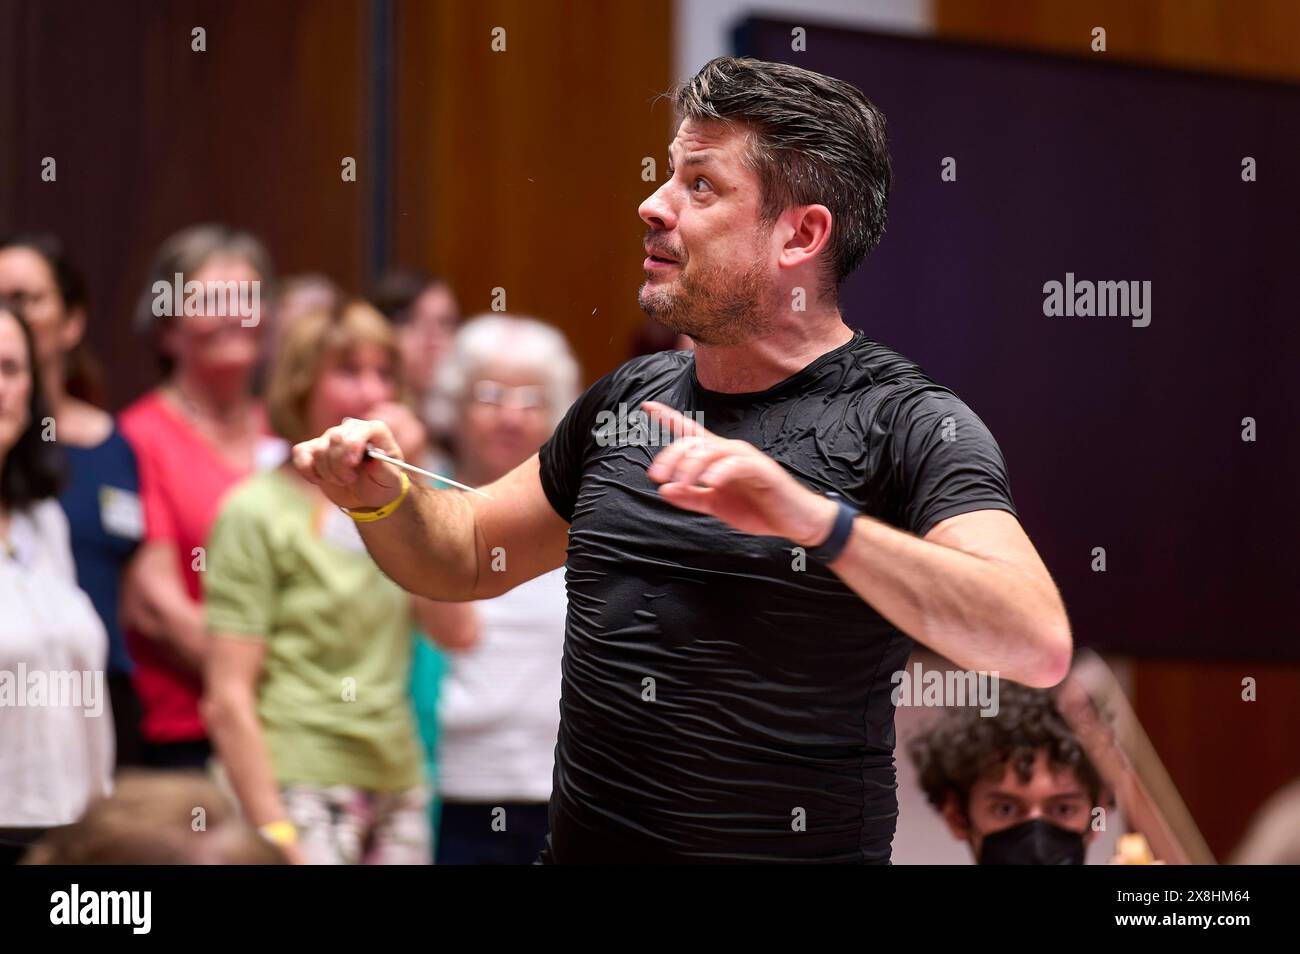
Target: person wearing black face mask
1017	785
1033	842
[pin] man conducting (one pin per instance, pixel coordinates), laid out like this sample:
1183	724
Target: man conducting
739	597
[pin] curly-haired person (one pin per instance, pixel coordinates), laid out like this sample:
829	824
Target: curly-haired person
1017	786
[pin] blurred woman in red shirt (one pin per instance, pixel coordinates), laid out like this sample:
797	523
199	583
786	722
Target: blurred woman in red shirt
196	435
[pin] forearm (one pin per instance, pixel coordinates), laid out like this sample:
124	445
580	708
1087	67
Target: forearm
237	733
156	603
449	625
429	546
438	544
979	612
175	621
974	590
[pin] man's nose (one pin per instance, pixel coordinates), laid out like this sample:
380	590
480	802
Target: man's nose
656	212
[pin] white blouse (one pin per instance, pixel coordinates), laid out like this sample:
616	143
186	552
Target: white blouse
499	709
56	726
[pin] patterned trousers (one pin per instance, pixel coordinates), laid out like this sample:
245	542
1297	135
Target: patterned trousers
342	825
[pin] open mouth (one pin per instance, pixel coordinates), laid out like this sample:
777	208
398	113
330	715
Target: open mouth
658	261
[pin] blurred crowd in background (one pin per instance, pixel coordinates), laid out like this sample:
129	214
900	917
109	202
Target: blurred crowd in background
240	625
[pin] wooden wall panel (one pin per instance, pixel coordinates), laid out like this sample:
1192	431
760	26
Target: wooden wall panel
522	169
1240	37
150	136
1225	754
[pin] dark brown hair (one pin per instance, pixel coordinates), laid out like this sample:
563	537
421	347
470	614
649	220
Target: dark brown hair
816	140
397	290
964	746
84	376
33	469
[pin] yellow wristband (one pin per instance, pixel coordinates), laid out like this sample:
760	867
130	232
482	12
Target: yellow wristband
280	832
370	516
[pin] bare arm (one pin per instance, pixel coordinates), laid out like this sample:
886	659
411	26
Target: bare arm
155	602
229	710
441	544
974	589
449	625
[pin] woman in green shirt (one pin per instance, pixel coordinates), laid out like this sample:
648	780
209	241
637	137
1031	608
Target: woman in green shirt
306	681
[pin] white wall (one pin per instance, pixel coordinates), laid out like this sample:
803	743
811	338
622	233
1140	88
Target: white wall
703	27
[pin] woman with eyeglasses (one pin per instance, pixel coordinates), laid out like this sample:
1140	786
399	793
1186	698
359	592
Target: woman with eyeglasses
505	384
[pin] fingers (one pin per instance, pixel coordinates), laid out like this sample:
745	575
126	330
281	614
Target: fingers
304	459
337	456
691	440
342	456
673	420
665	463
357	434
701	467
700	471
722	471
699	457
686	460
698	499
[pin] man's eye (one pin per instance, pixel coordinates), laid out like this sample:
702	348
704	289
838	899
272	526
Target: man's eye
695	186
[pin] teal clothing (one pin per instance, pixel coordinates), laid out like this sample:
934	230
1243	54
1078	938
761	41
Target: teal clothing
428	664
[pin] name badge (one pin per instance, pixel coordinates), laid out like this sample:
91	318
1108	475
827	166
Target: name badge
120	513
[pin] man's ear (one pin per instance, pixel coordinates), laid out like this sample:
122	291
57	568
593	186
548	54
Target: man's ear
809	228
954	813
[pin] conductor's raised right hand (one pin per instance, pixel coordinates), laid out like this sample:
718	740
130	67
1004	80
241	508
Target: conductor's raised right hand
337	463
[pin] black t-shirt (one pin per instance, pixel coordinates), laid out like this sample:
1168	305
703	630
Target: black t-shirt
722	700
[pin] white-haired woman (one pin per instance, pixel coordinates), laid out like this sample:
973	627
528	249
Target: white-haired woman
500	392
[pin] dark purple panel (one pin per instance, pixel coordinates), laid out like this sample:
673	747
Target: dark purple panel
1118	437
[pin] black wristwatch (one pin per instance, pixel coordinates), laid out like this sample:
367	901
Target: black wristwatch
834	545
